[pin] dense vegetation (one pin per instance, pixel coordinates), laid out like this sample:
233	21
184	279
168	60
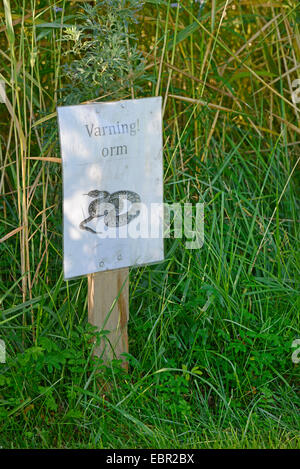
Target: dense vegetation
211	330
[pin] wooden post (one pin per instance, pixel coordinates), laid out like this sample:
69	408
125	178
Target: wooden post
108	309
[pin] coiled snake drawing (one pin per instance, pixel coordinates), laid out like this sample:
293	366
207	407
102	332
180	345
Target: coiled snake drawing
110	207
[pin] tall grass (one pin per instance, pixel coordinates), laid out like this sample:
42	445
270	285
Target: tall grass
210	330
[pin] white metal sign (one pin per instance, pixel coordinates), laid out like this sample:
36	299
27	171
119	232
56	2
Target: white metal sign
112	184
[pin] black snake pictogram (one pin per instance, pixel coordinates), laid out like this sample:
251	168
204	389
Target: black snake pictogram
109	206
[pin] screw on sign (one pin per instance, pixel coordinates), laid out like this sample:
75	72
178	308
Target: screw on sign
112	175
